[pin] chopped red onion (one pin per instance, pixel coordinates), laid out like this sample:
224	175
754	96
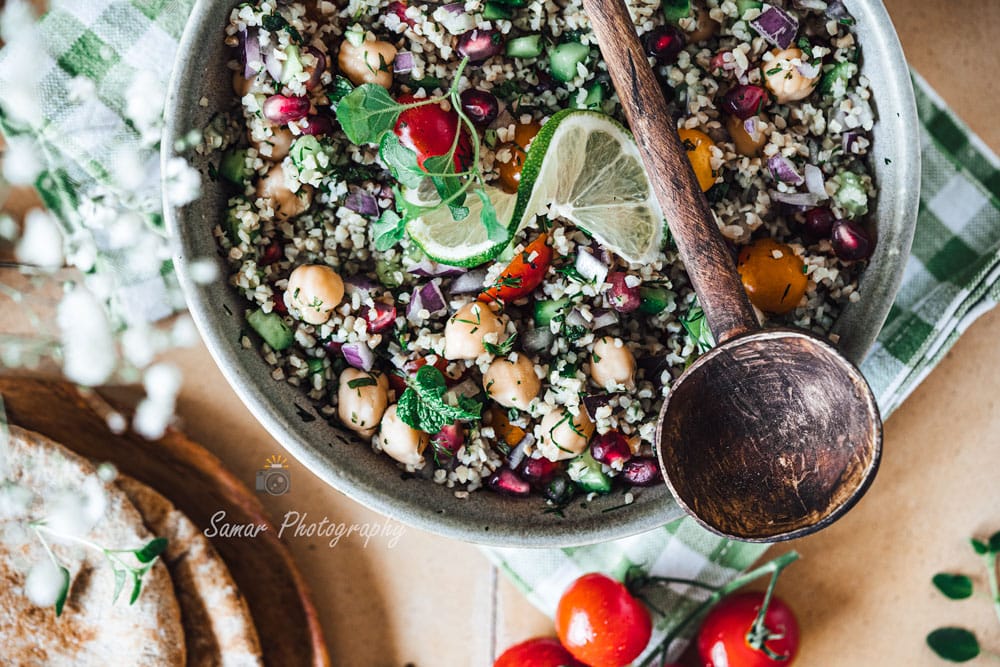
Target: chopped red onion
591	268
467	388
317	126
273	65
817	5
318	69
752	127
806	199
251	53
468	283
403	63
783	170
362	284
777	27
604	318
455	7
283	109
536	340
358	355
835	9
432	299
576	319
362	203
426	268
848	140
808	70
814	180
592	402
413	308
517	454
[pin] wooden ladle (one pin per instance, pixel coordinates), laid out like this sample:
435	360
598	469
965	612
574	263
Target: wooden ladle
772	434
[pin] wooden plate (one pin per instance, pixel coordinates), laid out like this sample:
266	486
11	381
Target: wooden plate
199	485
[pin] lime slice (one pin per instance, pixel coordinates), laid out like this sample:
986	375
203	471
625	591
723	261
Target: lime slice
585	167
464	242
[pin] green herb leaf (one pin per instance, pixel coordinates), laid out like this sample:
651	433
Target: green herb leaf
953	586
63	590
276	22
447	184
388	230
136	587
422	405
401	161
495	230
341	88
367	112
955	644
979	547
696	325
119	584
362	382
148	553
501	350
994	542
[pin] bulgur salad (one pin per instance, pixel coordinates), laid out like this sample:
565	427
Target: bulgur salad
446	239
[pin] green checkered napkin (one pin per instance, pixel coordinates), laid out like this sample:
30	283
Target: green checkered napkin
953	275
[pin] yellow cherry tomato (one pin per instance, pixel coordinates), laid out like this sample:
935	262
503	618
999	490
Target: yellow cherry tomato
773	276
699	151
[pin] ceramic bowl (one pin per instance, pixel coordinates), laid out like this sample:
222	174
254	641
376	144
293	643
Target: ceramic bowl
347	464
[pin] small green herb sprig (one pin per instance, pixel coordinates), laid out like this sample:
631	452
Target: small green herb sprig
958	644
368	115
696	326
123	570
423	407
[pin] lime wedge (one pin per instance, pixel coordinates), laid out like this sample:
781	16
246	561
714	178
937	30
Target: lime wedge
585	167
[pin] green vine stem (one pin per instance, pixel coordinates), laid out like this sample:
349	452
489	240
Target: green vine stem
991	576
757	630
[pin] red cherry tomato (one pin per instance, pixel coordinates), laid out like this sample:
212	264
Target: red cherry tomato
523	274
722	640
600	623
537	652
429	130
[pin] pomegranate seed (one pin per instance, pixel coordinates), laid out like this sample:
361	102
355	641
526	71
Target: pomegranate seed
279	304
479	45
819	223
719	63
333	346
560	489
642	471
539	471
664	43
850	241
506	481
481	107
545	82
447	442
379	318
399	9
622	298
610	448
272	253
744	101
317	126
316	72
283	109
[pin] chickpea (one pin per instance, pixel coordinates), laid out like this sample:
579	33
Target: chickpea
562	436
401	442
783	78
314	290
369	63
705	27
279	143
287	204
612	364
699	151
464	332
745	144
361	407
512	384
243	86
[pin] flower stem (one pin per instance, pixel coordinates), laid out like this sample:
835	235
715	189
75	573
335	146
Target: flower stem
991	577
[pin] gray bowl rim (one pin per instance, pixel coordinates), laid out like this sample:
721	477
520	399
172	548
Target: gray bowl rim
249	376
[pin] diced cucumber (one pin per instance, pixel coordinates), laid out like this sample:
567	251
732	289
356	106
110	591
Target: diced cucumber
675	10
303	148
233	225
390	273
653	300
834	82
743	6
513	3
494	11
546	311
233	167
293	64
315	365
271	328
529	46
564	58
850	195
588	474
593	100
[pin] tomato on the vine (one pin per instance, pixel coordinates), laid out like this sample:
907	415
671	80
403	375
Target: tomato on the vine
725	636
537	652
429	130
600	623
524	273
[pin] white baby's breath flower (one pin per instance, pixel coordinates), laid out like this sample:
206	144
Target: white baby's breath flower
138	344
204	270
44	583
22	161
184	333
14	500
76	512
81	89
41	243
144	103
107	472
87	344
183	182
161	382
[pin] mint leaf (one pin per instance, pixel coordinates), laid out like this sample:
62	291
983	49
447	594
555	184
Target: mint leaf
136	587
495	230
696	325
442	172
422	405
63	591
367	112
148	553
979	547
953	586
994	542
955	644
401	161
388	230
342	87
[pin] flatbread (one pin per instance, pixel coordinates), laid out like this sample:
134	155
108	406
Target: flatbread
93	630
218	628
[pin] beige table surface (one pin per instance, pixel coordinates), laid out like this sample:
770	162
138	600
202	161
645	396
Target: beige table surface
862	589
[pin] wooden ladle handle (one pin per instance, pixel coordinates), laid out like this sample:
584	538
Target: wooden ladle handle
703	251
